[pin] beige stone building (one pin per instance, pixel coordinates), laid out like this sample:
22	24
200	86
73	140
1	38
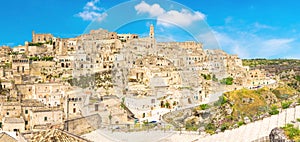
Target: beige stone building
41	38
28	105
20	65
13	124
10	109
41	119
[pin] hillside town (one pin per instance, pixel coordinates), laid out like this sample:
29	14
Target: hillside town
62	88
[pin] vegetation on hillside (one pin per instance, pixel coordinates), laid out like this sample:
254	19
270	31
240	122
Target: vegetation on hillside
45	58
36	44
264	62
237	108
292	132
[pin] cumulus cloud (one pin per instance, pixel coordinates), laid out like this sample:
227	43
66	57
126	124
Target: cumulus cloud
183	17
91	16
154	10
91	12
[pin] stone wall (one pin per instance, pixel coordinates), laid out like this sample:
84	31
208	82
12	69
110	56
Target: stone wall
83	125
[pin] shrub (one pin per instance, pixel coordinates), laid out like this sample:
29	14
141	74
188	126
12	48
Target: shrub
34	58
240	123
47	58
297	78
210	128
285	105
222	100
227	81
191	126
204	106
224	126
273	110
291	131
206	77
36	44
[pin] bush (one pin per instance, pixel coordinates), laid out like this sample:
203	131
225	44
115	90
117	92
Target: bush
210	128
204	106
222	100
34	58
240	123
206	77
36	44
297	78
47	58
191	126
291	131
224	126
227	81
273	110
285	105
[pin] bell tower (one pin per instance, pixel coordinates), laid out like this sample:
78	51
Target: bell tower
151	33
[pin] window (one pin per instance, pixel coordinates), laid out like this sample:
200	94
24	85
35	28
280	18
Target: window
26	111
7	113
26	122
45	118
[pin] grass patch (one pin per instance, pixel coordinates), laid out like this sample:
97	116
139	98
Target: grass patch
241	107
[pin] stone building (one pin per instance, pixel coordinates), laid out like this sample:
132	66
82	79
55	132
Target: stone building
4	54
41	119
10	109
126	37
20	65
13	124
74	102
41	38
50	94
28	105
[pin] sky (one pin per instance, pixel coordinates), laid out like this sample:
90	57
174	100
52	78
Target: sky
251	29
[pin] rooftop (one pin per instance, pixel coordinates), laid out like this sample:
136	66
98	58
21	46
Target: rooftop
4	137
13	120
55	135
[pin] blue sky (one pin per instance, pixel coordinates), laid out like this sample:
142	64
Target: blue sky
251	29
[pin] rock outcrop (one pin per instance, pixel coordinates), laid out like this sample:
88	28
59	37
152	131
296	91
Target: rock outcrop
277	135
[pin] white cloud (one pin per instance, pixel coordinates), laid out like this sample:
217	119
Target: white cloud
262	26
232	45
154	10
91	12
91	5
249	45
183	17
274	46
92	16
165	18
